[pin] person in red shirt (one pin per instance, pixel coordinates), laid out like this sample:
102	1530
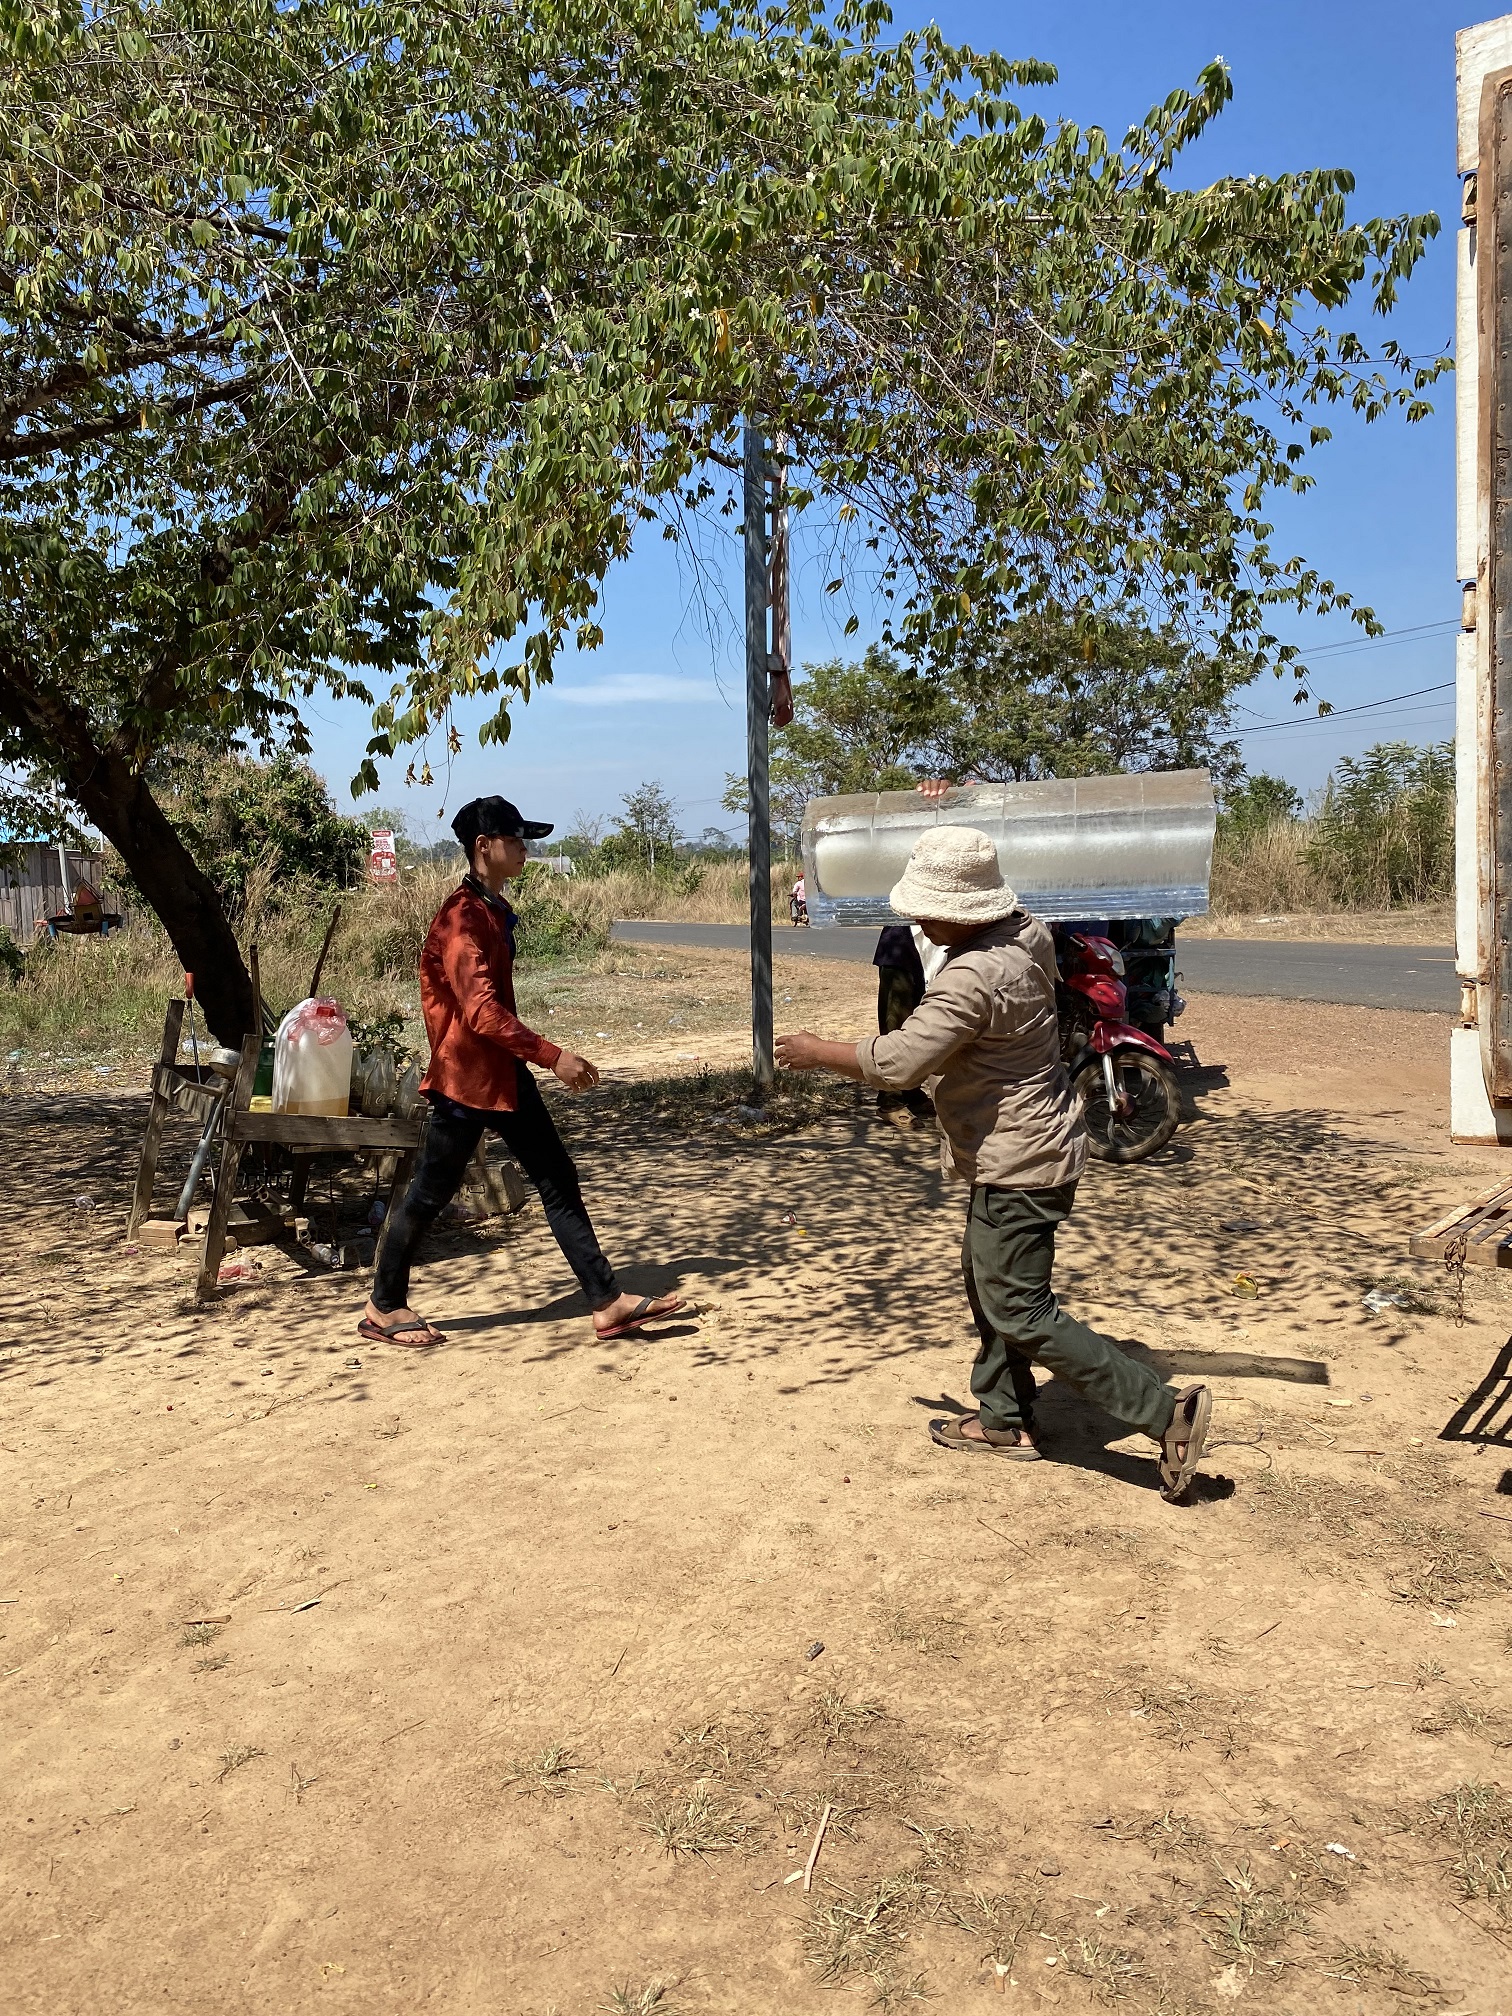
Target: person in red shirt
479	1078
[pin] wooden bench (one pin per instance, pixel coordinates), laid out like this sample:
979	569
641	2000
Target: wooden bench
205	1093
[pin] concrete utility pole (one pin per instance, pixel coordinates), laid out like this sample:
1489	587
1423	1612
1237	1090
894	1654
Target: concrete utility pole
758	709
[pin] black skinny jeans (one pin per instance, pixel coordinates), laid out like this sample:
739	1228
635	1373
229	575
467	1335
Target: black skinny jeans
530	1135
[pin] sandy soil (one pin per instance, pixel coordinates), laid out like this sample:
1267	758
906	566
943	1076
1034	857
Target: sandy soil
507	1696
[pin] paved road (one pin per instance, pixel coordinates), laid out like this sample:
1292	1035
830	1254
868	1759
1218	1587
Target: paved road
1367	976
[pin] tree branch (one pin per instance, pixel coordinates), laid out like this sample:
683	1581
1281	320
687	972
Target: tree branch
62	440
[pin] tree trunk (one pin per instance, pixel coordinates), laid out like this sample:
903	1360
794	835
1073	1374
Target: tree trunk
183	898
114	795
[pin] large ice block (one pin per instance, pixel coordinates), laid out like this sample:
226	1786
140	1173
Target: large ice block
1128	846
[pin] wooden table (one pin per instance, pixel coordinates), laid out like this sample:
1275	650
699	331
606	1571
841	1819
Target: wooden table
203	1093
1480	1231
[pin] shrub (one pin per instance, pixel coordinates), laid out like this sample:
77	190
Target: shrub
1259	802
12	958
267	830
1384	833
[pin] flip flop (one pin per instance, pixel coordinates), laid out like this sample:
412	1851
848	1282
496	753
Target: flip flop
1010	1442
1189	1425
643	1313
376	1334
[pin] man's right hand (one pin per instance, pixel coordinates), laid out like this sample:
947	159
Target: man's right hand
575	1072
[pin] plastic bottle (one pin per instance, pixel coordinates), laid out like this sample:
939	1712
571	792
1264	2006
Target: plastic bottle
374	1082
312	1060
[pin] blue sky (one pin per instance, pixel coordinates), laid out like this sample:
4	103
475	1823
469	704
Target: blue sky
1337	84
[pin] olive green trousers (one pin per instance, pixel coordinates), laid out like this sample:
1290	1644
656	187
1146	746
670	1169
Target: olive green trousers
1007	1258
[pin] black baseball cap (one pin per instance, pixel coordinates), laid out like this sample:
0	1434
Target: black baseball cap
495	819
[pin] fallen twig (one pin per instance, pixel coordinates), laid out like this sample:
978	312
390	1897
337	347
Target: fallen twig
1497	1515
1265	1633
813	1854
405	1730
1497	1936
1004	1536
206	1620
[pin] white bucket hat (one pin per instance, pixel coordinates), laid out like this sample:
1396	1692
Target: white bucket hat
953	875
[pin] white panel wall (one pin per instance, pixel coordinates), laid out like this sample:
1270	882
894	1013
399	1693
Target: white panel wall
1477	51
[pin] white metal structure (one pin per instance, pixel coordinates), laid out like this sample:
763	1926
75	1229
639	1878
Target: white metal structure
1481	1043
1129	846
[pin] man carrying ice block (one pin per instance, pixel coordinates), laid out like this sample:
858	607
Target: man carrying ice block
986	1034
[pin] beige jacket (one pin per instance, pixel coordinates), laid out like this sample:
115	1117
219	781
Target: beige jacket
987	1027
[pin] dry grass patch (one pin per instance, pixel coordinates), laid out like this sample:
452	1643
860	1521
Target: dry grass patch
1381	1966
737	1750
1260	1908
1108	1970
1252	1917
699	1821
625	1999
1321	1506
1460	1716
836	1715
1164	1834
1475	1820
998	1922
923	1630
1181	1713
234	1758
1439	1565
548	1774
855	1934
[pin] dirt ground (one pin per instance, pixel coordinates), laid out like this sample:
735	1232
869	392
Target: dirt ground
1410	924
517	1678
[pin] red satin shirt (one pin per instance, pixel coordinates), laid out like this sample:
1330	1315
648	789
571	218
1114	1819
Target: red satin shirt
467	997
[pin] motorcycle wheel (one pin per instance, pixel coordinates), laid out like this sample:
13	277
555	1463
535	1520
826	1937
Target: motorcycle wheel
1154	1106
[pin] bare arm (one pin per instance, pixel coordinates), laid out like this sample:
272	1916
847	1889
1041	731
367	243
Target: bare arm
803	1052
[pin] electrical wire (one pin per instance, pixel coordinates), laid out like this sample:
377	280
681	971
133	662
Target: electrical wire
1345	647
1340	713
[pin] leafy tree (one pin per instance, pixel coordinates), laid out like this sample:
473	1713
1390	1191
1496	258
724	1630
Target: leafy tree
235	814
349	345
645	835
1258	802
1384	832
855	727
1050	699
1043	701
714	844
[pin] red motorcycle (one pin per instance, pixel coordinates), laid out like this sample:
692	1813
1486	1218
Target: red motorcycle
1124	1080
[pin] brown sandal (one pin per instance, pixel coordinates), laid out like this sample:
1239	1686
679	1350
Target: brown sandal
1014	1443
1189	1430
